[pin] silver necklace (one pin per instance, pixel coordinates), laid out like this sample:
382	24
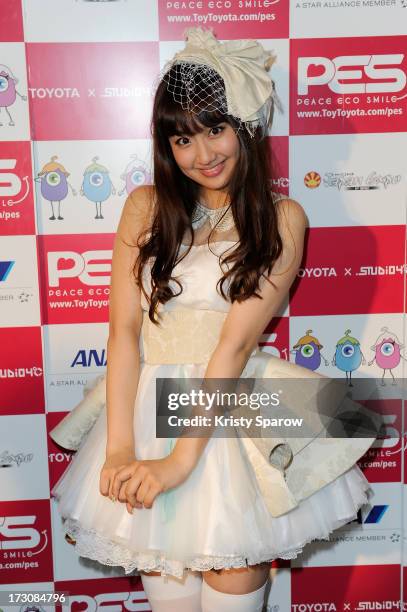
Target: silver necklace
202	213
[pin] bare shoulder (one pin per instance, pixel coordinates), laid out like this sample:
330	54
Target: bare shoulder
137	212
291	214
141	200
143	195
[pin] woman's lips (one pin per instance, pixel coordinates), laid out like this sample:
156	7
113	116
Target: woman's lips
214	171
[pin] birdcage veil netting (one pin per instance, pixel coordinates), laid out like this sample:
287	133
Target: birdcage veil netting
198	88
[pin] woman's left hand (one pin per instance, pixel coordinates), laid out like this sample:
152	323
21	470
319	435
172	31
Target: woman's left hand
139	483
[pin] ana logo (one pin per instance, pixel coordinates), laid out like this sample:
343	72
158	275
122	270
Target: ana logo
86	267
374	515
86	358
5	269
312	180
372	75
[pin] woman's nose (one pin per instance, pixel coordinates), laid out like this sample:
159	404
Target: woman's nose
204	152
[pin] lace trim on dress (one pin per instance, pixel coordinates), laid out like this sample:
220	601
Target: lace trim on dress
93	545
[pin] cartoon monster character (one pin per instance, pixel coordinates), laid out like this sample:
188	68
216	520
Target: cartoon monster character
97	186
135	174
348	355
307	352
387	353
54	184
8	91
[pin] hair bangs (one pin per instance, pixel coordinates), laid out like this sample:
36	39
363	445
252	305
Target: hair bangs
174	120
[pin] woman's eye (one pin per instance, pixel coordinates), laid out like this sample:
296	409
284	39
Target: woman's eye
218	129
179	141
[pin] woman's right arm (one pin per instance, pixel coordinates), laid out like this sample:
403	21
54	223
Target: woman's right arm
125	319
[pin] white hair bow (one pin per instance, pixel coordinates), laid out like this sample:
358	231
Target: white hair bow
243	66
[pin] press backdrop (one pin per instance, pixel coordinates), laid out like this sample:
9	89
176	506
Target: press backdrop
75	99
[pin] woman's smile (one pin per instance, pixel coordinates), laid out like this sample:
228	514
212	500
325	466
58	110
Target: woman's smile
214	171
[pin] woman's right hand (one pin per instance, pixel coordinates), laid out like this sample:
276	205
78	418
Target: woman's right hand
114	462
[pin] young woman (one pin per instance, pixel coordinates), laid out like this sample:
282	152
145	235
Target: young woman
202	261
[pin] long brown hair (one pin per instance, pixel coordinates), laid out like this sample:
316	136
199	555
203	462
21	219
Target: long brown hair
251	200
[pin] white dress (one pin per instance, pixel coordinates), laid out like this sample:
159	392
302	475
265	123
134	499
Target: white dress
217	518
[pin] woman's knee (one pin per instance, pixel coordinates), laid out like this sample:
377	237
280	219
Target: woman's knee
238	581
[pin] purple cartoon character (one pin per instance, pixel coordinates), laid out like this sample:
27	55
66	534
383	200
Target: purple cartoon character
307	352
54	184
387	353
8	91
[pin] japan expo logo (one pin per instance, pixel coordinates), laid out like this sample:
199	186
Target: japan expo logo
312	180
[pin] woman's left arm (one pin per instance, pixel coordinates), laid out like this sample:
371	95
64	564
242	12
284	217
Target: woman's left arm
247	320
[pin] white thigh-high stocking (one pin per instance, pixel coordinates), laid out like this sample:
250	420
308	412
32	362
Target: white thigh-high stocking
170	594
215	601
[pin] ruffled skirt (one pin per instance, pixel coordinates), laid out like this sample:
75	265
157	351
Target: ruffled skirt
216	519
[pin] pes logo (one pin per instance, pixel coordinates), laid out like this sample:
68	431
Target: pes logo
25	541
121	594
16	192
337	92
75	277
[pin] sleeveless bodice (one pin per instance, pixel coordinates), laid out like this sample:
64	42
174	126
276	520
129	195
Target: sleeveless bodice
198	274
200	270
